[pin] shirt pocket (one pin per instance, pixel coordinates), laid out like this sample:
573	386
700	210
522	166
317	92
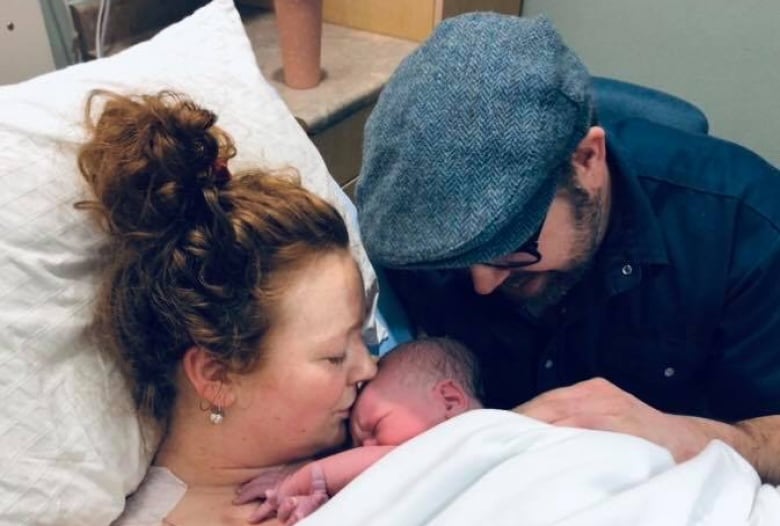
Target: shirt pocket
660	369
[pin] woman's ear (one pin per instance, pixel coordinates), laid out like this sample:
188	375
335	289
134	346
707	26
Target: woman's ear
208	377
452	396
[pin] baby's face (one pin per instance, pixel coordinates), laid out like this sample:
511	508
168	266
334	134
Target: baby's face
387	415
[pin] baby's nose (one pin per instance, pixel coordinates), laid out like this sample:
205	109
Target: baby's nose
370	442
355	431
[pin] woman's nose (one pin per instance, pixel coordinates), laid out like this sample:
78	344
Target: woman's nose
486	279
365	368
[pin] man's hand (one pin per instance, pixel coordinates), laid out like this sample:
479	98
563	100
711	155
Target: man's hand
598	404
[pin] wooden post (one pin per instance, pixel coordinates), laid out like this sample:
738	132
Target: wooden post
300	38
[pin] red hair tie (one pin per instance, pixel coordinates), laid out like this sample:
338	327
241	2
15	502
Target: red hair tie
221	173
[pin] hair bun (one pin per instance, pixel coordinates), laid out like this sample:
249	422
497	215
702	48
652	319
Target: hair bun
150	159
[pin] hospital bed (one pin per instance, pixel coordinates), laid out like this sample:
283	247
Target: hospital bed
71	445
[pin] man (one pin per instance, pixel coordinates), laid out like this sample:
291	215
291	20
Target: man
630	274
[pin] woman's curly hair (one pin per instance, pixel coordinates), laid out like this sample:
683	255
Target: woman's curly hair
195	257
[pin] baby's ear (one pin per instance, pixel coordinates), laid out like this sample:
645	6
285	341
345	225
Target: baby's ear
452	396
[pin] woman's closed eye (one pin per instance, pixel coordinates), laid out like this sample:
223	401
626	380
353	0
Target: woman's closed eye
338	359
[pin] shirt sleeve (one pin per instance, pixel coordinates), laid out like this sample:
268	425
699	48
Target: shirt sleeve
745	375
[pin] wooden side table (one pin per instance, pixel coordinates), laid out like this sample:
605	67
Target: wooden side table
356	66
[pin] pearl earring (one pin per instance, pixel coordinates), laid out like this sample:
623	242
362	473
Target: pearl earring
216	415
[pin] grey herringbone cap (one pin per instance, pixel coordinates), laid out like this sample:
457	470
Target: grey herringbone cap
465	144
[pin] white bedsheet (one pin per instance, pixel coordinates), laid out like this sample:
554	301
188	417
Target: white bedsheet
490	467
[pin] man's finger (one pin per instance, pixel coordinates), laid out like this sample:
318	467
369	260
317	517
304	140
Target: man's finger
550	411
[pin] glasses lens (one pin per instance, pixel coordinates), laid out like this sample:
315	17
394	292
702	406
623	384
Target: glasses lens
525	255
516	259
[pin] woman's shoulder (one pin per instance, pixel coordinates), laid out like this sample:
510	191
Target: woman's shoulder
159	493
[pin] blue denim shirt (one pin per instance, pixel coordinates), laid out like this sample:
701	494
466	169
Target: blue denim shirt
681	306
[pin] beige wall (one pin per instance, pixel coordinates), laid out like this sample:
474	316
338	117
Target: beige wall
24	51
723	55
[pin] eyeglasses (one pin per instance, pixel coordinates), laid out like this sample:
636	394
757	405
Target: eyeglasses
525	255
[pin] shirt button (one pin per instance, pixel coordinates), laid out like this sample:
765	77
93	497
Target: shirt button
627	270
669	372
548	364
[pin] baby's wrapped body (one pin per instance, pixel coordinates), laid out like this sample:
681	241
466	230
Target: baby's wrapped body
492	467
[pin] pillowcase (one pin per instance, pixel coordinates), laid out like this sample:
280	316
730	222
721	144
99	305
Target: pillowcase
71	445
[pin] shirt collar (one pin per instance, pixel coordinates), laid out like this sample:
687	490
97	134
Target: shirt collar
634	233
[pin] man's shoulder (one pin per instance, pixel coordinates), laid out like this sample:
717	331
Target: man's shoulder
660	156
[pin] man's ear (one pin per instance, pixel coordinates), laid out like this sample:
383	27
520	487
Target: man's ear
590	157
452	396
208	377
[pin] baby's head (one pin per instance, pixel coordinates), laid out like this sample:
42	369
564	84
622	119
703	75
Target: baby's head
419	384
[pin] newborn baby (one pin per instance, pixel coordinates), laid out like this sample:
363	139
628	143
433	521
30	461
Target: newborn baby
418	385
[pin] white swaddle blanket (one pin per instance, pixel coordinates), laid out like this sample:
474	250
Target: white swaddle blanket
496	467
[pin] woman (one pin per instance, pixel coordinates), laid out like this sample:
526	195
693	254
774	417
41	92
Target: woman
233	303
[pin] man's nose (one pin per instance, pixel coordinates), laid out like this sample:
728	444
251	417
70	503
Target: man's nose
486	279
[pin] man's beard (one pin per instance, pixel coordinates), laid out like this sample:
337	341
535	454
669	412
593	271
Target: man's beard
550	287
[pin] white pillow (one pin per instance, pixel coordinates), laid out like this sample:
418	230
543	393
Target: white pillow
70	443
